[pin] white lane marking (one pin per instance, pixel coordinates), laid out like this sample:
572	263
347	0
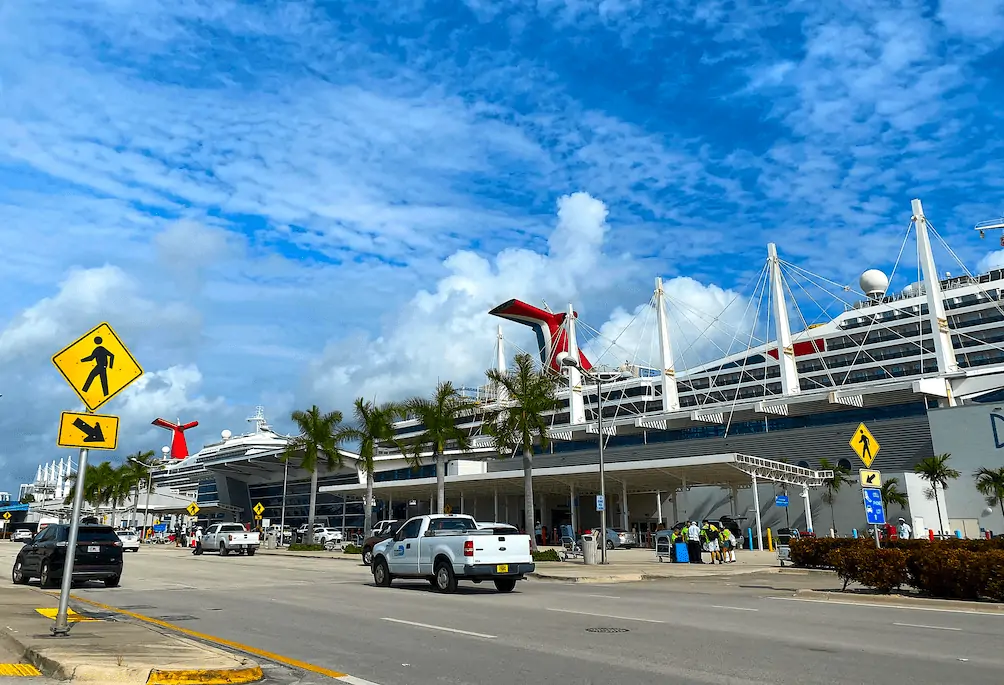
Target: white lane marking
970	612
604	596
432	627
716	606
352	680
620	618
917	625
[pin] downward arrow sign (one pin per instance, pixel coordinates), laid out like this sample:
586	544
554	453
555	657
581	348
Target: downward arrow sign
870	479
93	433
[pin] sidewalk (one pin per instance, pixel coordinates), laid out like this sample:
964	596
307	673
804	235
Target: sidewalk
108	649
633	565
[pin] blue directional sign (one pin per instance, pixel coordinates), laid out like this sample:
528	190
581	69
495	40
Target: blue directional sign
874	509
600	504
781	501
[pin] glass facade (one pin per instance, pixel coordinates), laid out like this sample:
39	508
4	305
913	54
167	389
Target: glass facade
328	510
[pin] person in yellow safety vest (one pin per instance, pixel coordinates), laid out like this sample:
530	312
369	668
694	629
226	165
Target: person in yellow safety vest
710	533
728	542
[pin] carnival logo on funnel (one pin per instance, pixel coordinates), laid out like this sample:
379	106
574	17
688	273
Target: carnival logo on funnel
179	447
995	420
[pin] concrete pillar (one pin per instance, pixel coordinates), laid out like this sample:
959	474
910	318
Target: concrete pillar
390	507
685	513
676	509
756	507
573	507
658	508
625	518
735	502
495	510
462	509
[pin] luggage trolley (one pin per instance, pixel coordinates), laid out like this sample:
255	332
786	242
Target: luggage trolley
664	545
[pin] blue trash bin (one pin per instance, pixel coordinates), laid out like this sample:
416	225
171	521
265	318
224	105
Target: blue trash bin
682	555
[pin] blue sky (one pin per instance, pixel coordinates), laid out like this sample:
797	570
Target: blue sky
291	202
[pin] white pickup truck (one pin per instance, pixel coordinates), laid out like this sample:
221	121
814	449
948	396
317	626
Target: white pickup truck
449	547
230	537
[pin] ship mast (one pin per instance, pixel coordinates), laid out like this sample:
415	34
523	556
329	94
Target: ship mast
576	407
944	352
670	394
785	349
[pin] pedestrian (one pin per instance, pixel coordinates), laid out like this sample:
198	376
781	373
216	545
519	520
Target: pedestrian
728	543
694	543
198	541
903	530
709	536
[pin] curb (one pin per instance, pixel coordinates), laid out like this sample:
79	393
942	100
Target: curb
904	602
205	677
640	577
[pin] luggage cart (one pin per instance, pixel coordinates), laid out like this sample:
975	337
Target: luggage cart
572	548
664	545
784	538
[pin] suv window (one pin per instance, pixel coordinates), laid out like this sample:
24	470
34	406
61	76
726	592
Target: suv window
48	534
410	529
95	534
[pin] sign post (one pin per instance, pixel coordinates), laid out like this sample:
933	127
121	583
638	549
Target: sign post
89	366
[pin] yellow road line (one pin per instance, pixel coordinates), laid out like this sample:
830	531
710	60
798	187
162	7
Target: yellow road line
18	670
271	656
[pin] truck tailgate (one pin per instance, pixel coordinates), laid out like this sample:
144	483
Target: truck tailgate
501	549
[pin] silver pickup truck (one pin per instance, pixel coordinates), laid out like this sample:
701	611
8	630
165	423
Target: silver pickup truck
448	548
230	537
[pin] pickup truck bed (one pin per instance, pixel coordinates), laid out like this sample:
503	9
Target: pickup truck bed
446	549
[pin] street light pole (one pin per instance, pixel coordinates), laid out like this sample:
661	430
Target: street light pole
565	359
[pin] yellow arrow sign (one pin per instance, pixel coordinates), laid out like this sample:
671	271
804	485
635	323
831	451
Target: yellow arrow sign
97	366
258	509
193	509
93	431
870	479
865	445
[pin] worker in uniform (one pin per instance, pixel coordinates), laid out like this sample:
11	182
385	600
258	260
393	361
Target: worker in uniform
728	543
710	533
198	541
694	543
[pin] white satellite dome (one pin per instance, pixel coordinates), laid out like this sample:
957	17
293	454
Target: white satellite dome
874	283
226	435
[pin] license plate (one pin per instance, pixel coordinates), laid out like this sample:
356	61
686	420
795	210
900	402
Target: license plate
93	548
502	568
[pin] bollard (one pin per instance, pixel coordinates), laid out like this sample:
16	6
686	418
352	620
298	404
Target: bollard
749	536
930	534
770	542
854	532
958	534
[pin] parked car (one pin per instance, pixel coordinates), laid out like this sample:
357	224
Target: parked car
383	530
301	532
447	548
230	537
98	556
618	537
130	540
325	535
21	535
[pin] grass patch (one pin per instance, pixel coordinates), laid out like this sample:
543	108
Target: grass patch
300	547
352	549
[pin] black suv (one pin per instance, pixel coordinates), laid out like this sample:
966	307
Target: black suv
98	556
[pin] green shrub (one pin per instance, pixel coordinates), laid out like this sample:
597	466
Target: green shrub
300	547
815	552
546	555
352	549
882	569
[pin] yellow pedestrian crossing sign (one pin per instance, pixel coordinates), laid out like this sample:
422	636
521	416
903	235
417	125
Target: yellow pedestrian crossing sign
258	509
193	509
865	445
97	366
6	515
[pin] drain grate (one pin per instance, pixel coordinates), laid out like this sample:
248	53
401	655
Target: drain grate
606	630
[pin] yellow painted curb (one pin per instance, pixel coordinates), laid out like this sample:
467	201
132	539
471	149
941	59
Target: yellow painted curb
221	676
7	670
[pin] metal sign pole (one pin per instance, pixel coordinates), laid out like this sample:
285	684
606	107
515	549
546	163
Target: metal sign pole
282	521
878	545
603	479
62	627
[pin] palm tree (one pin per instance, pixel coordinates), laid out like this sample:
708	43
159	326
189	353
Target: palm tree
321	436
831	486
524	424
99	486
891	494
374	425
136	471
439	417
936	471
990	483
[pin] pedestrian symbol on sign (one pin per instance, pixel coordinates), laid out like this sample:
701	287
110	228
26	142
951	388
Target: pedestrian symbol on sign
103	360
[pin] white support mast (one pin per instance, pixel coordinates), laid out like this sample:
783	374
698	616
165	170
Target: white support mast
944	352
500	365
785	350
670	395
576	407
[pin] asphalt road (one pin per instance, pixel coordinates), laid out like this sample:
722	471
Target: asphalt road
749	629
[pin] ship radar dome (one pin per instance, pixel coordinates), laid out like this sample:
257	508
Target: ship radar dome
226	435
874	283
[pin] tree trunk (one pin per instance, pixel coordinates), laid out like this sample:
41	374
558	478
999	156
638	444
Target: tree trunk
833	520
440	481
313	506
528	509
368	507
934	488
135	505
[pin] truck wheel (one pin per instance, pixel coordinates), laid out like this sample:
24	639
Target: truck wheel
251	552
446	581
368	557
381	574
223	550
505	584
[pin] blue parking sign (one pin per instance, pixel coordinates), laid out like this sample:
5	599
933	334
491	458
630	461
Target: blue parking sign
599	503
781	501
874	509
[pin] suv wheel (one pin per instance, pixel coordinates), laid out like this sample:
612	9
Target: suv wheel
367	557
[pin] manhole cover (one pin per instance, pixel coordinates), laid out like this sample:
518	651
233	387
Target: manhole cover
606	630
